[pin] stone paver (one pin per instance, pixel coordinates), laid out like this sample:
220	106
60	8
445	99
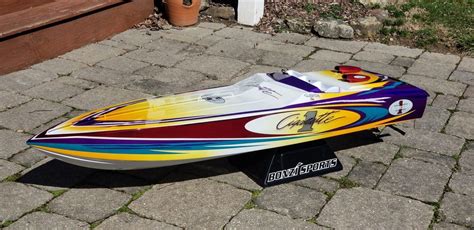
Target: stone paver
262	219
129	221
279	60
187	35
33	114
389	70
461	124
467	64
103	76
118	181
25	79
28	158
11	99
367	174
299	202
466	105
393	50
347	163
88	204
439	71
154	57
12	143
200	203
122	64
374	57
242	50
93	53
42	220
319	183
103	96
212	25
53	91
18	199
463	76
293	38
134	37
76	82
436	85
8	168
220	67
434	119
417	179
436	58
448	226
166	46
430	157
458	208
59	66
377	152
327	55
314	65
462	183
336	45
361	208
445	101
426	140
285	49
241	34
467	162
403	61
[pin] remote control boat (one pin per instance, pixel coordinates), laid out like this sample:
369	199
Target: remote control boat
261	112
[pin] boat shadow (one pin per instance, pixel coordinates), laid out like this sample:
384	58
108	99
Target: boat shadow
56	174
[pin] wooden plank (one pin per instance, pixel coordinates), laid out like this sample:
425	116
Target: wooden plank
45	14
21	51
10	6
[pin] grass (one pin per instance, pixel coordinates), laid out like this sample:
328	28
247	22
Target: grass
438	21
345	182
334	12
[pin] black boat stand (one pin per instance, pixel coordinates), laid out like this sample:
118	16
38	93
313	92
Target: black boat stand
289	163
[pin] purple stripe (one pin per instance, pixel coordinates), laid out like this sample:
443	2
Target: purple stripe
298	83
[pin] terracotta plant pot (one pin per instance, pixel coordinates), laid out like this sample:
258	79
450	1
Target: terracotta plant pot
180	14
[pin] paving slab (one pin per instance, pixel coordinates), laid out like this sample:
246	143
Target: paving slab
463	76
417	179
76	82
466	162
25	79
219	67
212	25
293	38
448	226
28	158
389	70
117	181
376	152
467	64
318	183
425	140
285	48
466	105
11	99
49	124
469	92
199	203
434	119
262	219
166	45
12	143
42	220
237	179
336	45
53	91
189	35
104	76
461	183
328	55
253	70
33	114
375	57
88	204
279	60
458	208
393	50
436	85
430	157
362	208
367	174
241	34
403	61
432	70
209	41
158	57
122	64
299	202
238	49
93	53
17	199
103	96
436	58
8	168
129	221
461	124
59	66
445	102
118	44
347	163
314	65
136	37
